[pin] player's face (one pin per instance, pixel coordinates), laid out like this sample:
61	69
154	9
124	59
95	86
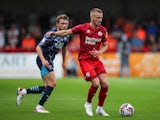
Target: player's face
96	18
62	24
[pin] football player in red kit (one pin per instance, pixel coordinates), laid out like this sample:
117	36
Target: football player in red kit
92	36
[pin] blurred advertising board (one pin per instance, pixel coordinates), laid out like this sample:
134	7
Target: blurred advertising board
145	64
111	63
23	65
141	64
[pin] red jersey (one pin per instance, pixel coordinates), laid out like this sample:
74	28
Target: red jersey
89	38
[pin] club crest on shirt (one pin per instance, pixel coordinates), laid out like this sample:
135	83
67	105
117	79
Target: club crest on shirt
88	31
87	74
99	33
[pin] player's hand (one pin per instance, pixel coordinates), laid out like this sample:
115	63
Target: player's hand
45	63
64	69
63	66
50	33
94	52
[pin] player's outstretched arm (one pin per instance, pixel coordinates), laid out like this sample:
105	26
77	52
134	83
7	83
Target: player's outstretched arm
60	32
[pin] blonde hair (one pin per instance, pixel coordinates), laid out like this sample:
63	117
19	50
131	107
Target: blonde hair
62	16
95	10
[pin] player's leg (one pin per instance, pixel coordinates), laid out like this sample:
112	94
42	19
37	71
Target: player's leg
91	92
100	70
50	82
102	94
35	89
23	91
93	88
89	75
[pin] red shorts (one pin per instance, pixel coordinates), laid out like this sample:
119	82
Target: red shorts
91	68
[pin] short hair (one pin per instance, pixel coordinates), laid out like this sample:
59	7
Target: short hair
95	10
62	16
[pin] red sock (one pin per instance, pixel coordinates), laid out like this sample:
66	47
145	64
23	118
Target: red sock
91	92
102	95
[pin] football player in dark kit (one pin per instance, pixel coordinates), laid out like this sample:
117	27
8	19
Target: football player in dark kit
48	47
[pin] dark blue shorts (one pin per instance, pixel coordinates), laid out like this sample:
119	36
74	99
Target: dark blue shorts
44	70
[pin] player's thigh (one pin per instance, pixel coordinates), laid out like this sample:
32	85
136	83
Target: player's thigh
50	79
103	79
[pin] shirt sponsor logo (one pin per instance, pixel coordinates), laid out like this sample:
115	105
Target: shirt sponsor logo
59	44
92	41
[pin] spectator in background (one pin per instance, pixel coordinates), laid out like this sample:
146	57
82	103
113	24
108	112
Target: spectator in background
128	28
112	43
120	21
152	28
22	35
140	32
136	43
28	43
2	36
37	34
151	42
71	67
158	43
12	36
124	51
116	31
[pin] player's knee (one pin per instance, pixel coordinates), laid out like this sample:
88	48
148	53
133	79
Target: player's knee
104	84
95	84
52	84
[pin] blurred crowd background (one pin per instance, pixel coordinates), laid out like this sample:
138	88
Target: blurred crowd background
137	23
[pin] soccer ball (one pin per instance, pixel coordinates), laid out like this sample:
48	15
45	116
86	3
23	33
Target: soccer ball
126	109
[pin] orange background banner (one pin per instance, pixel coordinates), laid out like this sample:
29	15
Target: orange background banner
111	62
145	64
141	64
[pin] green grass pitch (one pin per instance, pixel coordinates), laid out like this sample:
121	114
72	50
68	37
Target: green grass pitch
68	98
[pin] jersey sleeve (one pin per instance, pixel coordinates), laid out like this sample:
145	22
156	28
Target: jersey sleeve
44	41
76	29
104	39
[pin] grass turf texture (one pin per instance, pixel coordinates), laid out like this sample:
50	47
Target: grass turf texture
68	98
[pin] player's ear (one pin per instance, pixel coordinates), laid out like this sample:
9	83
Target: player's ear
106	35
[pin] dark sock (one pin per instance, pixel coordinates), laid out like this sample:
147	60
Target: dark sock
91	92
45	95
102	96
35	89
